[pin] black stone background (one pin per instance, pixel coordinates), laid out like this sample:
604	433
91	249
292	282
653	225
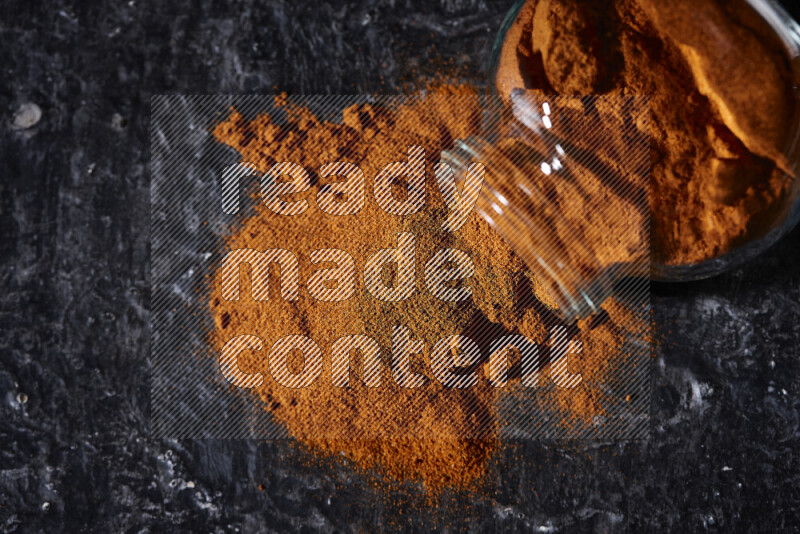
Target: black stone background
74	217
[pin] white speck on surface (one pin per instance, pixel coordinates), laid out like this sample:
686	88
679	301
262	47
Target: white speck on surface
118	122
27	116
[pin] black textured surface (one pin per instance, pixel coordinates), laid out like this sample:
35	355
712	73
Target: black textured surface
74	448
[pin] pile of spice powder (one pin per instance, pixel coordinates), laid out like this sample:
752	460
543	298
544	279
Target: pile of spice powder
390	428
721	105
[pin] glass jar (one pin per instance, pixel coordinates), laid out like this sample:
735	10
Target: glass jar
580	291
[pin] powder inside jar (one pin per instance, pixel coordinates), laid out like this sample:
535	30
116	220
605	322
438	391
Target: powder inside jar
721	105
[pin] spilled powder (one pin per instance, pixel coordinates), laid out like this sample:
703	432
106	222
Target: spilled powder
439	436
